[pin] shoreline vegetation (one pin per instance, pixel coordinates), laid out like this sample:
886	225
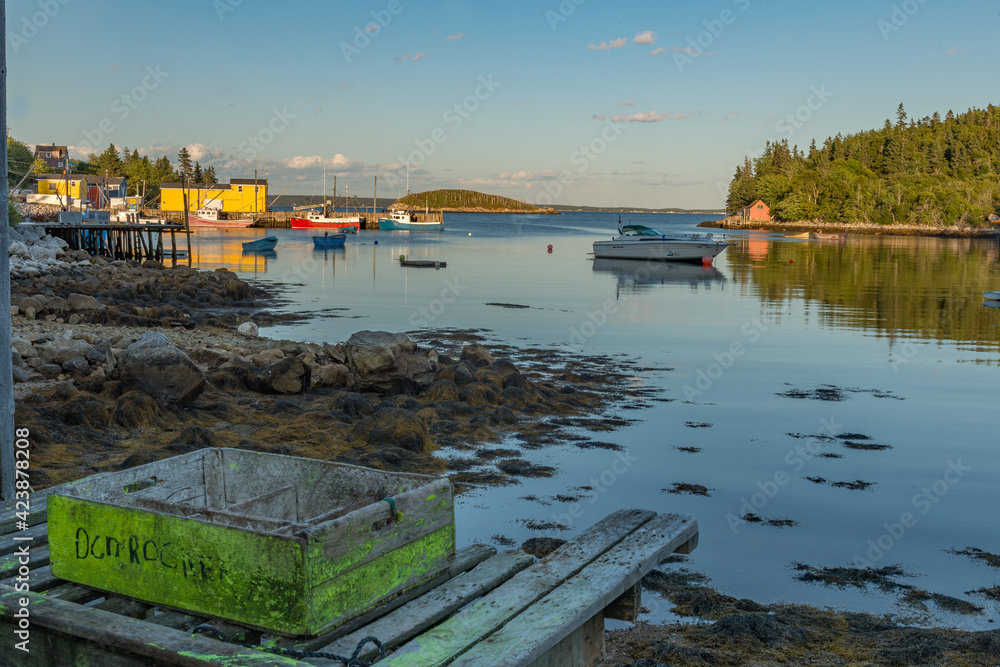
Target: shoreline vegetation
865	228
931	172
117	364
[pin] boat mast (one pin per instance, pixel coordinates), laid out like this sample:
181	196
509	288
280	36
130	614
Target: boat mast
324	191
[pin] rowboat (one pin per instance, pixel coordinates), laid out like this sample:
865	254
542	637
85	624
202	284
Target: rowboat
803	235
639	242
991	296
400	220
839	237
266	243
422	263
329	241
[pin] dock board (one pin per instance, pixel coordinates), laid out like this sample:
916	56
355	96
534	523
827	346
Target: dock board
487	608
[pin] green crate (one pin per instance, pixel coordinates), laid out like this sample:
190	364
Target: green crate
289	545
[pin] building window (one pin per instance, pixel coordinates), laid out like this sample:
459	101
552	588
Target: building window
239	188
760	207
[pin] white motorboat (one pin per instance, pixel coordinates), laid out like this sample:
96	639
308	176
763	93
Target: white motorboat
991	296
640	242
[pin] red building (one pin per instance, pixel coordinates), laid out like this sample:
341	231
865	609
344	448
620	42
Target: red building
755	212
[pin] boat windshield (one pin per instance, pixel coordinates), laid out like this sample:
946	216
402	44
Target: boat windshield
639	230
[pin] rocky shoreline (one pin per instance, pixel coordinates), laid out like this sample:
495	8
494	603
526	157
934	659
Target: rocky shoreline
118	364
855	228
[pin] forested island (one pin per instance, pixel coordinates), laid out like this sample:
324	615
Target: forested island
467	201
927	172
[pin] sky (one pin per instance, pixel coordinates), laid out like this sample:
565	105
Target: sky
586	102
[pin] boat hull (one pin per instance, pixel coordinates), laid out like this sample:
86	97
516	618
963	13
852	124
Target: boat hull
261	245
667	250
991	296
397	225
328	242
195	221
343	224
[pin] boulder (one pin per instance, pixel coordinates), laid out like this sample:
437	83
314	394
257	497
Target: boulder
20	374
18	249
211	356
76	365
237	290
335	375
83	302
383	361
288	376
155	366
393	427
353	405
477	355
267	357
248	330
477	394
442	390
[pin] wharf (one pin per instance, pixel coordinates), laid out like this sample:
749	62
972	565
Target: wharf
121	241
488	608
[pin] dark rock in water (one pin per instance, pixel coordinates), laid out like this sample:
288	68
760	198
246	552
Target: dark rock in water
540	547
516	396
393	427
462	375
153	365
237	290
196	437
288	376
136	409
503	415
477	355
442	390
761	627
478	394
516	380
354	405
503	367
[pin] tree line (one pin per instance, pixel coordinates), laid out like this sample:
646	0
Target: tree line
930	171
143	175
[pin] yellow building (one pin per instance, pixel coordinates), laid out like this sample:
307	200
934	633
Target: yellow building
57	184
242	195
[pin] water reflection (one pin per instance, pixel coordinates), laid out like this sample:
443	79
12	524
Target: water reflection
636	275
928	287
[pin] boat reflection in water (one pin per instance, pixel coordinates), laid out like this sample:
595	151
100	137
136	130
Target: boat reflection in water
634	274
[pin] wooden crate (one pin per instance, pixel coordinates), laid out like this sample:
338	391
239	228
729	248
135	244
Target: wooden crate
289	545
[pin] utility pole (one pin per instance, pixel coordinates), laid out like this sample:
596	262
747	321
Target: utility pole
6	364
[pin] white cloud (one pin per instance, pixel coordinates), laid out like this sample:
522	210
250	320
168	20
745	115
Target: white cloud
455	38
420	55
951	52
202	153
656	52
641	117
647	37
405	56
607	46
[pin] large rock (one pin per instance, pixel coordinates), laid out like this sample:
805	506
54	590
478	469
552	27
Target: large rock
393	427
288	376
155	366
62	351
83	302
477	355
334	375
383	361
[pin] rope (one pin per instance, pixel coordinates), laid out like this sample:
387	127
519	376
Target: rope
353	661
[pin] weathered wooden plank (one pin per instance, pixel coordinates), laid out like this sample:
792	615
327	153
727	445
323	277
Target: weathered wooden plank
465	559
584	647
483	617
73	593
176	620
37	501
627	606
39	579
280	505
88	636
37	557
36	536
124	607
406	622
539	628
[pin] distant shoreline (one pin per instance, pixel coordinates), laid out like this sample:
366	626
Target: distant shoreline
857	228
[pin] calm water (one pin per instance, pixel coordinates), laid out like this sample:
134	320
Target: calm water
896	324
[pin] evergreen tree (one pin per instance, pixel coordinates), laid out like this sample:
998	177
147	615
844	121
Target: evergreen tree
108	163
209	177
184	162
196	175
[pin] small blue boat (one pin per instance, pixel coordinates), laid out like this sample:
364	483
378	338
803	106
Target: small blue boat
329	241
266	243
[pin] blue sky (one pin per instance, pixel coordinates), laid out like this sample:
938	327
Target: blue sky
645	104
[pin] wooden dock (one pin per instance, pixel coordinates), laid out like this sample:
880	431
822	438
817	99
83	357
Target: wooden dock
488	608
123	241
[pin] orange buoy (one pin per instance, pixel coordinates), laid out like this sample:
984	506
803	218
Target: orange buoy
706	260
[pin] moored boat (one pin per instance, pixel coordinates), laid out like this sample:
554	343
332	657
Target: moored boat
209	217
348	225
640	242
266	243
328	241
991	296
422	263
834	236
400	220
803	235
